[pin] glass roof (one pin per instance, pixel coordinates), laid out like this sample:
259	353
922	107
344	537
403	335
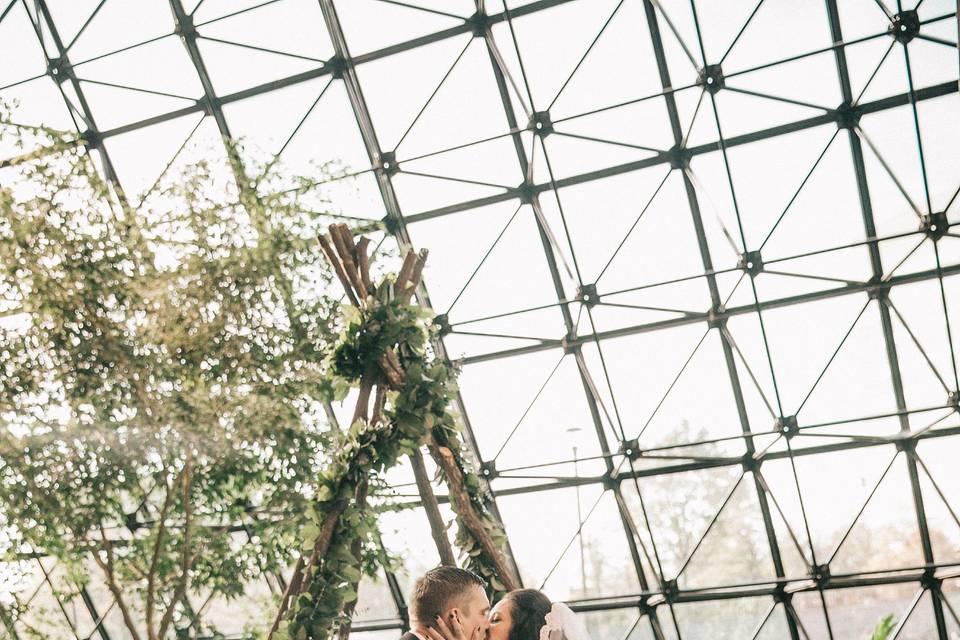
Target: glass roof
699	261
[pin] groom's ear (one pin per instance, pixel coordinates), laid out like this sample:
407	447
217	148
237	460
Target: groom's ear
453	614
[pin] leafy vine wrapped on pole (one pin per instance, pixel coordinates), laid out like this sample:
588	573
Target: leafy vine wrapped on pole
384	351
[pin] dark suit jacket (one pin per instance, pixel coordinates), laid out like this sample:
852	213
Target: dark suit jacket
409	636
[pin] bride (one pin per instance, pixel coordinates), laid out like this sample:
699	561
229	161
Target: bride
524	614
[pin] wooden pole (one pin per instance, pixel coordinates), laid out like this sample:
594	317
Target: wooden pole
432	508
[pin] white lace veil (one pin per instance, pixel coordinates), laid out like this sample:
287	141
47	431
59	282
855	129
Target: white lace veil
563	624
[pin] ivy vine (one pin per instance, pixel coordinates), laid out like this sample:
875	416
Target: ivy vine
385	342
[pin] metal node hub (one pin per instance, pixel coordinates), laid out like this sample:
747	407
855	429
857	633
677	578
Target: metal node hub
541	124
905	26
711	78
388	162
935	225
527	192
185	27
631	449
587	294
848	116
337	65
59	69
478	23
716	319
442	323
820	574
787	425
751	262
679	157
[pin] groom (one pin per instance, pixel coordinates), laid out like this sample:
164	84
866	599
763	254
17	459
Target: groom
448	593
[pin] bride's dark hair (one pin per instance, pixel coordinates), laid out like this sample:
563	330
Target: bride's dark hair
528	613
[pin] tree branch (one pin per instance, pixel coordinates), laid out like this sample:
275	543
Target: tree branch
107	568
187	560
155	558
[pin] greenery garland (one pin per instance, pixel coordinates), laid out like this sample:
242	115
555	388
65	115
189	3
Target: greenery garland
385	341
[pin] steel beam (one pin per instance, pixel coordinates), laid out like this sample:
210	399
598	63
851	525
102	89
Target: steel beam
394	214
499	75
694	318
717	303
866	206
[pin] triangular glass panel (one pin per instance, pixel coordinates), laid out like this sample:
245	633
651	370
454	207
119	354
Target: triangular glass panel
370	25
626	36
461	106
117	106
116	25
736	549
233	68
885	535
677	526
728	619
569	566
162	65
776	626
293	26
857	612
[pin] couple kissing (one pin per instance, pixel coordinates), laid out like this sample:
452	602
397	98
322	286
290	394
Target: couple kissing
448	603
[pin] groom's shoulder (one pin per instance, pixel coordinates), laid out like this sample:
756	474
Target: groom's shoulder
409	636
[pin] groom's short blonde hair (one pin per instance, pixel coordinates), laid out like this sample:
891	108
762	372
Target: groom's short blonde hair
440	590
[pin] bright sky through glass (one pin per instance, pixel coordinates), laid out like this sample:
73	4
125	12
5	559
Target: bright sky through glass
588	189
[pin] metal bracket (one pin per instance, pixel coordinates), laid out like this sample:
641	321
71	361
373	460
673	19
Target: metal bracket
935	225
929	580
185	27
388	163
671	590
905	26
780	593
610	483
787	425
711	78
715	319
820	574
569	344
631	449
848	116
442	323
337	66
541	124
907	444
679	157
390	224
91	138
751	262
587	294
478	23
59	69
527	192
749	463
878	290
489	469
131	523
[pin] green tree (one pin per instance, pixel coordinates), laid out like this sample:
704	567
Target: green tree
160	369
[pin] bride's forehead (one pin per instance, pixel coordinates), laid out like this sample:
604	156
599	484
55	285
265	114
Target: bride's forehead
502	607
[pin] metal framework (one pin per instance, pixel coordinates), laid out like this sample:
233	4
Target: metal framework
678	34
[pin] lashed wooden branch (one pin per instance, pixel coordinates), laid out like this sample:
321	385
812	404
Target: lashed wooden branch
432	509
351	264
460	498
